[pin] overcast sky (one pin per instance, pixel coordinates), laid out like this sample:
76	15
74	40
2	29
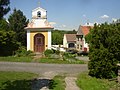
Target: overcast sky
69	14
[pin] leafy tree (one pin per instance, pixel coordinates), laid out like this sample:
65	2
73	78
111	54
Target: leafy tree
4	7
104	52
8	44
57	36
3	25
17	23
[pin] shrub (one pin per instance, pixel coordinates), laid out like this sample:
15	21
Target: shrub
104	51
57	52
48	52
84	53
23	52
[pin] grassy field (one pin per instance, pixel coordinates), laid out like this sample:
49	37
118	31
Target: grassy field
16	80
85	82
58	83
16	59
55	61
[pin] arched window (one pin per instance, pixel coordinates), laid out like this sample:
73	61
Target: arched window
71	45
39	14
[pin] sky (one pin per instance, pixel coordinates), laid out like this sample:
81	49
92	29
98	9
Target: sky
69	14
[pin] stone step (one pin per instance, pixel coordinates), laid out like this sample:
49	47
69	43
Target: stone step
71	84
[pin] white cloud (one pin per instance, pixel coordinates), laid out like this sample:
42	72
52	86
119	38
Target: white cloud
104	16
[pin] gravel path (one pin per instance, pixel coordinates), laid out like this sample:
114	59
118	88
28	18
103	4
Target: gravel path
44	69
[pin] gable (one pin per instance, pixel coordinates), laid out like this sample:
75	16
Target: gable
70	37
41	10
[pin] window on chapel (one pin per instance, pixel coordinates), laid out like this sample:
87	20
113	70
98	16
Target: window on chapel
39	14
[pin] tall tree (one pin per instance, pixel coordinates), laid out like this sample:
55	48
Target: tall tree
104	52
8	43
3	25
17	23
4	7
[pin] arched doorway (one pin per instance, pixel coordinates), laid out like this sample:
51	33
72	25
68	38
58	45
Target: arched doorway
71	45
39	43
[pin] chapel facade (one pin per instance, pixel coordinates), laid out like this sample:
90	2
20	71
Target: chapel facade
39	31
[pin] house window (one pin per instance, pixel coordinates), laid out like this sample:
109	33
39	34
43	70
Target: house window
77	46
39	14
81	47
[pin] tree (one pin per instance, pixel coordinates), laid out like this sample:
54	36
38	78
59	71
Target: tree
17	23
4	7
8	44
3	25
104	41
57	36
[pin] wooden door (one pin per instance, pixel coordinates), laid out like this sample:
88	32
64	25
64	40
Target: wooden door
39	43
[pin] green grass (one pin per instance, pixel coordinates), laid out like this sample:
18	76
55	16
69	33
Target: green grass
58	83
42	60
16	80
57	61
85	82
16	59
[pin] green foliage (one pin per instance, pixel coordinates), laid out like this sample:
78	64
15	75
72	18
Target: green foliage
58	61
4	7
104	52
17	23
8	44
68	55
4	25
57	52
57	36
23	52
48	52
16	59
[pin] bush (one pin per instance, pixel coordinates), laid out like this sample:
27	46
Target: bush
72	51
84	53
104	51
23	52
48	52
57	52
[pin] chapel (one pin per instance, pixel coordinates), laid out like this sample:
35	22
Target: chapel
39	31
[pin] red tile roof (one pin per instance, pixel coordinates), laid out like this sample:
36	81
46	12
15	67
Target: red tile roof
71	37
84	30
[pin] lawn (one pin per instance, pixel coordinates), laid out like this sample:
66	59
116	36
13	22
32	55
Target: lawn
41	60
57	61
16	80
16	59
85	82
58	83
23	81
